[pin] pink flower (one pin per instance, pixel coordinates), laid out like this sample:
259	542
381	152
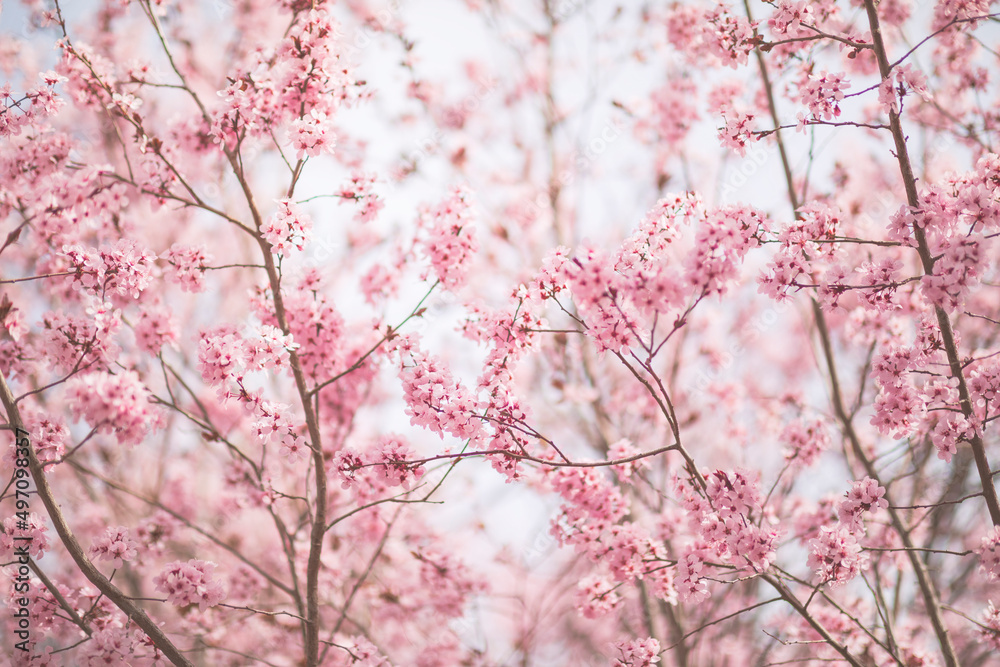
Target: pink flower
447	581
955	272
155	329
270	350
865	496
190	583
881	277
287	228
989	554
360	189
221	355
596	596
312	134
990	632
115	546
691	586
348	465
49	436
390	456
434	399
899	410
449	239
836	555
637	653
788	19
108	647
821	94
894	88
738	132
611	321
122	269
673	112
733	493
716	33
722	242
154	532
623	449
20	531
294	448
314	325
366	654
379	283
117	404
947	433
273	421
805	441
186	266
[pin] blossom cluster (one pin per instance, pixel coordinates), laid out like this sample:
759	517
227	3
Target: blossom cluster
899	408
20	531
789	19
836	555
619	294
114	545
17	114
287	228
383	466
314	323
821	94
190	583
186	266
738	132
802	243
360	189
805	441
591	520
49	437
637	653
69	341
434	399
728	520
300	85
118	404
989	554
449	239
903	79
714	32
226	356
121	270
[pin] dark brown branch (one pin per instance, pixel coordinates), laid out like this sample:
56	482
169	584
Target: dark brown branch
76	552
927	261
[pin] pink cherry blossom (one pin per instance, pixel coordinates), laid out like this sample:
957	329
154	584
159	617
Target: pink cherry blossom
836	556
990	631
186	266
637	653
989	554
865	496
450	238
24	532
738	132
311	135
822	92
288	228
115	546
596	597
661	381
805	441
117	404
189	583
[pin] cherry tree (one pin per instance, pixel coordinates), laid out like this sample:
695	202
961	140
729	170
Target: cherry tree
293	292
